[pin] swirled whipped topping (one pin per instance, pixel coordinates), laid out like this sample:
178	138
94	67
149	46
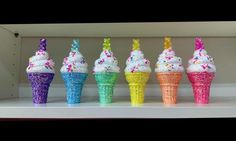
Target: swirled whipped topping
167	61
75	62
107	62
40	62
136	61
201	61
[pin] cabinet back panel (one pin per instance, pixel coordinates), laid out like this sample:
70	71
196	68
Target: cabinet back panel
9	64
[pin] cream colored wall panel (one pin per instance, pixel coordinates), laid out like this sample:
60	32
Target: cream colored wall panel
9	64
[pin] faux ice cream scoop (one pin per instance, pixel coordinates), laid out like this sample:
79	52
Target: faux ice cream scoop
75	62
41	62
107	62
136	61
201	61
167	60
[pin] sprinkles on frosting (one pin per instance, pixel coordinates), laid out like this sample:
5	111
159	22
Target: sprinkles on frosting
40	62
167	61
136	61
75	62
107	61
201	61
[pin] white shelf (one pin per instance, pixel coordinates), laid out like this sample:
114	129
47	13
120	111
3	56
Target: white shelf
153	108
150	29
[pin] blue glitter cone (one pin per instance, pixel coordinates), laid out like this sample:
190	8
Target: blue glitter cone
74	84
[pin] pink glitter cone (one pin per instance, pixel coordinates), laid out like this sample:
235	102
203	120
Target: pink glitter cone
201	83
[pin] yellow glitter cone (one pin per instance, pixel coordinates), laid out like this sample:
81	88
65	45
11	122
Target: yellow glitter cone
137	83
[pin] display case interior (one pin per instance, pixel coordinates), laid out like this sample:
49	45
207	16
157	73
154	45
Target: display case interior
20	41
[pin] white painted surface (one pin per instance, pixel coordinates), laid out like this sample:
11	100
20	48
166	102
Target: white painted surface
9	64
91	90
120	108
126	29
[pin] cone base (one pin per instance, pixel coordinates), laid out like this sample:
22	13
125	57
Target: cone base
137	94
105	92
137	83
201	94
169	83
201	84
73	93
40	83
74	83
40	95
105	82
169	94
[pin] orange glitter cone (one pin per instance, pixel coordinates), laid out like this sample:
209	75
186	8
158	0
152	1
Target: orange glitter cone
169	83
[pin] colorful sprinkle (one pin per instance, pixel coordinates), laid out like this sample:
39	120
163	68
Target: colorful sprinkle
73	54
101	61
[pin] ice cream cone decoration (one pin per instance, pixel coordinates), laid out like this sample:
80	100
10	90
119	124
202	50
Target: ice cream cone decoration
201	71
169	73
106	72
167	43
137	73
74	72
40	72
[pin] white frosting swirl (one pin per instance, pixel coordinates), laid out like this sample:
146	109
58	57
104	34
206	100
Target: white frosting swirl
201	62
40	63
137	63
168	62
106	63
75	62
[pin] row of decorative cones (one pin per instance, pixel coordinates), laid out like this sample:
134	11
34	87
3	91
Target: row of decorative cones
169	83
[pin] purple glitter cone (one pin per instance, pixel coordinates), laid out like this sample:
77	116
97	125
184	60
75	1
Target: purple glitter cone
40	83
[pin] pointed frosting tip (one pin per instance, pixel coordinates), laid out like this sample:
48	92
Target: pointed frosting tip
42	44
167	43
75	45
199	44
107	44
136	44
